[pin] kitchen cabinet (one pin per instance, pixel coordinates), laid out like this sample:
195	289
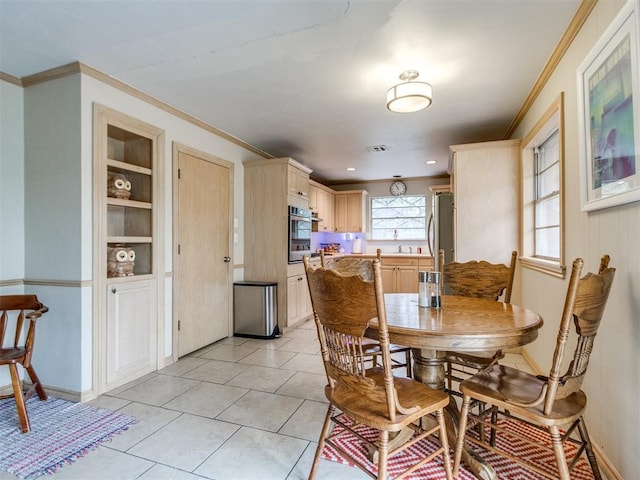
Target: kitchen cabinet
267	194
400	274
298	185
126	235
322	203
298	299
485	181
350	211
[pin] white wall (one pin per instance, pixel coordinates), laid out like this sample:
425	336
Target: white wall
613	381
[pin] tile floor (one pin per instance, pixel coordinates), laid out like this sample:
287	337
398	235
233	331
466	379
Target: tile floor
238	409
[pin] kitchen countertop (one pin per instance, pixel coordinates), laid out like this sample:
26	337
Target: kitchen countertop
373	255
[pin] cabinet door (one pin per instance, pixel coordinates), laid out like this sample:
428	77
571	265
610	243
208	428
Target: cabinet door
315	200
388	273
340	213
306	309
298	182
292	300
327	223
406	279
131	347
355	213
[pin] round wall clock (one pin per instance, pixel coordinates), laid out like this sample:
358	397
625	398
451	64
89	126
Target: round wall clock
398	188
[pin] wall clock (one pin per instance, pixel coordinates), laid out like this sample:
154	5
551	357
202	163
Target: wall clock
398	188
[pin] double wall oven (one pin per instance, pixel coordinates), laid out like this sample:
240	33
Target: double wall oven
299	233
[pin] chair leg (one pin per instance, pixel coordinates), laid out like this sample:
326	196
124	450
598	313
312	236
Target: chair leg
36	383
19	397
462	427
558	450
408	356
444	441
323	434
383	453
591	456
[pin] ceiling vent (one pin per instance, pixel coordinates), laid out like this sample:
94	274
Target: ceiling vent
378	148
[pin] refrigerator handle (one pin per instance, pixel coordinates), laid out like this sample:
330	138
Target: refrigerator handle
430	235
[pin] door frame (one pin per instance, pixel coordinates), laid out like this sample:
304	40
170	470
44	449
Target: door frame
179	148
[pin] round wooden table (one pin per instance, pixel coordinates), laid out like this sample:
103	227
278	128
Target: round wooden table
462	324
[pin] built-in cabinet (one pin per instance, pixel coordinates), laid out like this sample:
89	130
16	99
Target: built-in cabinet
350	211
126	264
400	274
268	187
485	180
322	204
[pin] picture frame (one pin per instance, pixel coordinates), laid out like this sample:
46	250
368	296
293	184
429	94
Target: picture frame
609	115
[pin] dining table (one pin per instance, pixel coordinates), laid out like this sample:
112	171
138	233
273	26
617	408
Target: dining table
462	324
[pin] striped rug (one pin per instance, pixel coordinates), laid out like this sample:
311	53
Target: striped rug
61	432
504	468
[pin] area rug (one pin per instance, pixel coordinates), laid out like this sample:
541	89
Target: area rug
61	432
505	469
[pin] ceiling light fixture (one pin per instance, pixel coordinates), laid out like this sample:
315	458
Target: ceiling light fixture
430	162
409	96
350	169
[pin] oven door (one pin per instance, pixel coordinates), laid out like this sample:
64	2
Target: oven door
299	237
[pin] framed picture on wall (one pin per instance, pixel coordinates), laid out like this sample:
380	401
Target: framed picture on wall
609	115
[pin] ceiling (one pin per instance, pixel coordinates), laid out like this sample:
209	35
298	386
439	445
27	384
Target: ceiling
308	78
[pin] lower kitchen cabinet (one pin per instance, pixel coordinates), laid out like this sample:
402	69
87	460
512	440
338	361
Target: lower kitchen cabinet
298	300
400	275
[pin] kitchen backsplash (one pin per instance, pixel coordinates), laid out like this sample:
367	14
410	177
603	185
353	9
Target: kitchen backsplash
318	239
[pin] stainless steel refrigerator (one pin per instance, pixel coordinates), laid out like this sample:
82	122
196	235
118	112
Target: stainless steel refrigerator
440	227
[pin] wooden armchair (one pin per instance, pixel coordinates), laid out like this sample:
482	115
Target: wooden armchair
546	402
17	353
364	268
343	306
475	279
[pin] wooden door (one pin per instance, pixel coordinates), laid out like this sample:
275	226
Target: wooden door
203	268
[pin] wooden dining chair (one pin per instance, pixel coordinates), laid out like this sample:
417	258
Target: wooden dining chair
17	352
548	403
475	279
364	268
343	307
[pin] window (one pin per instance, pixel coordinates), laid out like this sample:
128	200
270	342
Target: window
399	218
542	203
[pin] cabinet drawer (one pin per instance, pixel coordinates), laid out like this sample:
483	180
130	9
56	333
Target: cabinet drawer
401	262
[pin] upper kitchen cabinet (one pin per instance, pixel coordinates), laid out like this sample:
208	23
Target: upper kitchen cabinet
322	204
350	211
298	184
485	179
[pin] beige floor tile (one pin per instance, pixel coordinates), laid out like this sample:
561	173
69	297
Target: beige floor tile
264	379
206	399
114	392
162	472
326	470
216	371
305	385
301	345
268	358
303	362
271	343
262	410
183	366
306	422
245	456
186	442
227	353
103	464
303	333
109	403
159	390
150	420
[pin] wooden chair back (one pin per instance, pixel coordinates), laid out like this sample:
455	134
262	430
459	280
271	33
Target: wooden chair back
18	352
350	265
343	306
478	278
584	307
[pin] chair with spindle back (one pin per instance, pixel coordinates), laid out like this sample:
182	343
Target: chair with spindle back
548	403
475	279
19	353
364	268
343	307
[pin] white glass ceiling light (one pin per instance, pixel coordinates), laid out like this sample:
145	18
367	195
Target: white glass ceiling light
409	96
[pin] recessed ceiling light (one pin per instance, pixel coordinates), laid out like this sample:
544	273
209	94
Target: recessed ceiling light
430	162
350	169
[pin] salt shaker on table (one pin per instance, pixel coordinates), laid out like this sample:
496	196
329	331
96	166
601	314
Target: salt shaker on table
423	289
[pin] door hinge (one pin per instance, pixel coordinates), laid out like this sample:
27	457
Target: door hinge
178	325
178	249
178	174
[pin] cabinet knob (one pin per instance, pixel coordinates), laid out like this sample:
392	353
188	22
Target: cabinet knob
227	259
113	290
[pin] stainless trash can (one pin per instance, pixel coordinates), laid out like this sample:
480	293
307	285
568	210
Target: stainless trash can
255	309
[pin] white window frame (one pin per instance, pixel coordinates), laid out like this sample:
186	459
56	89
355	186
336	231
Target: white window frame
426	213
552	120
